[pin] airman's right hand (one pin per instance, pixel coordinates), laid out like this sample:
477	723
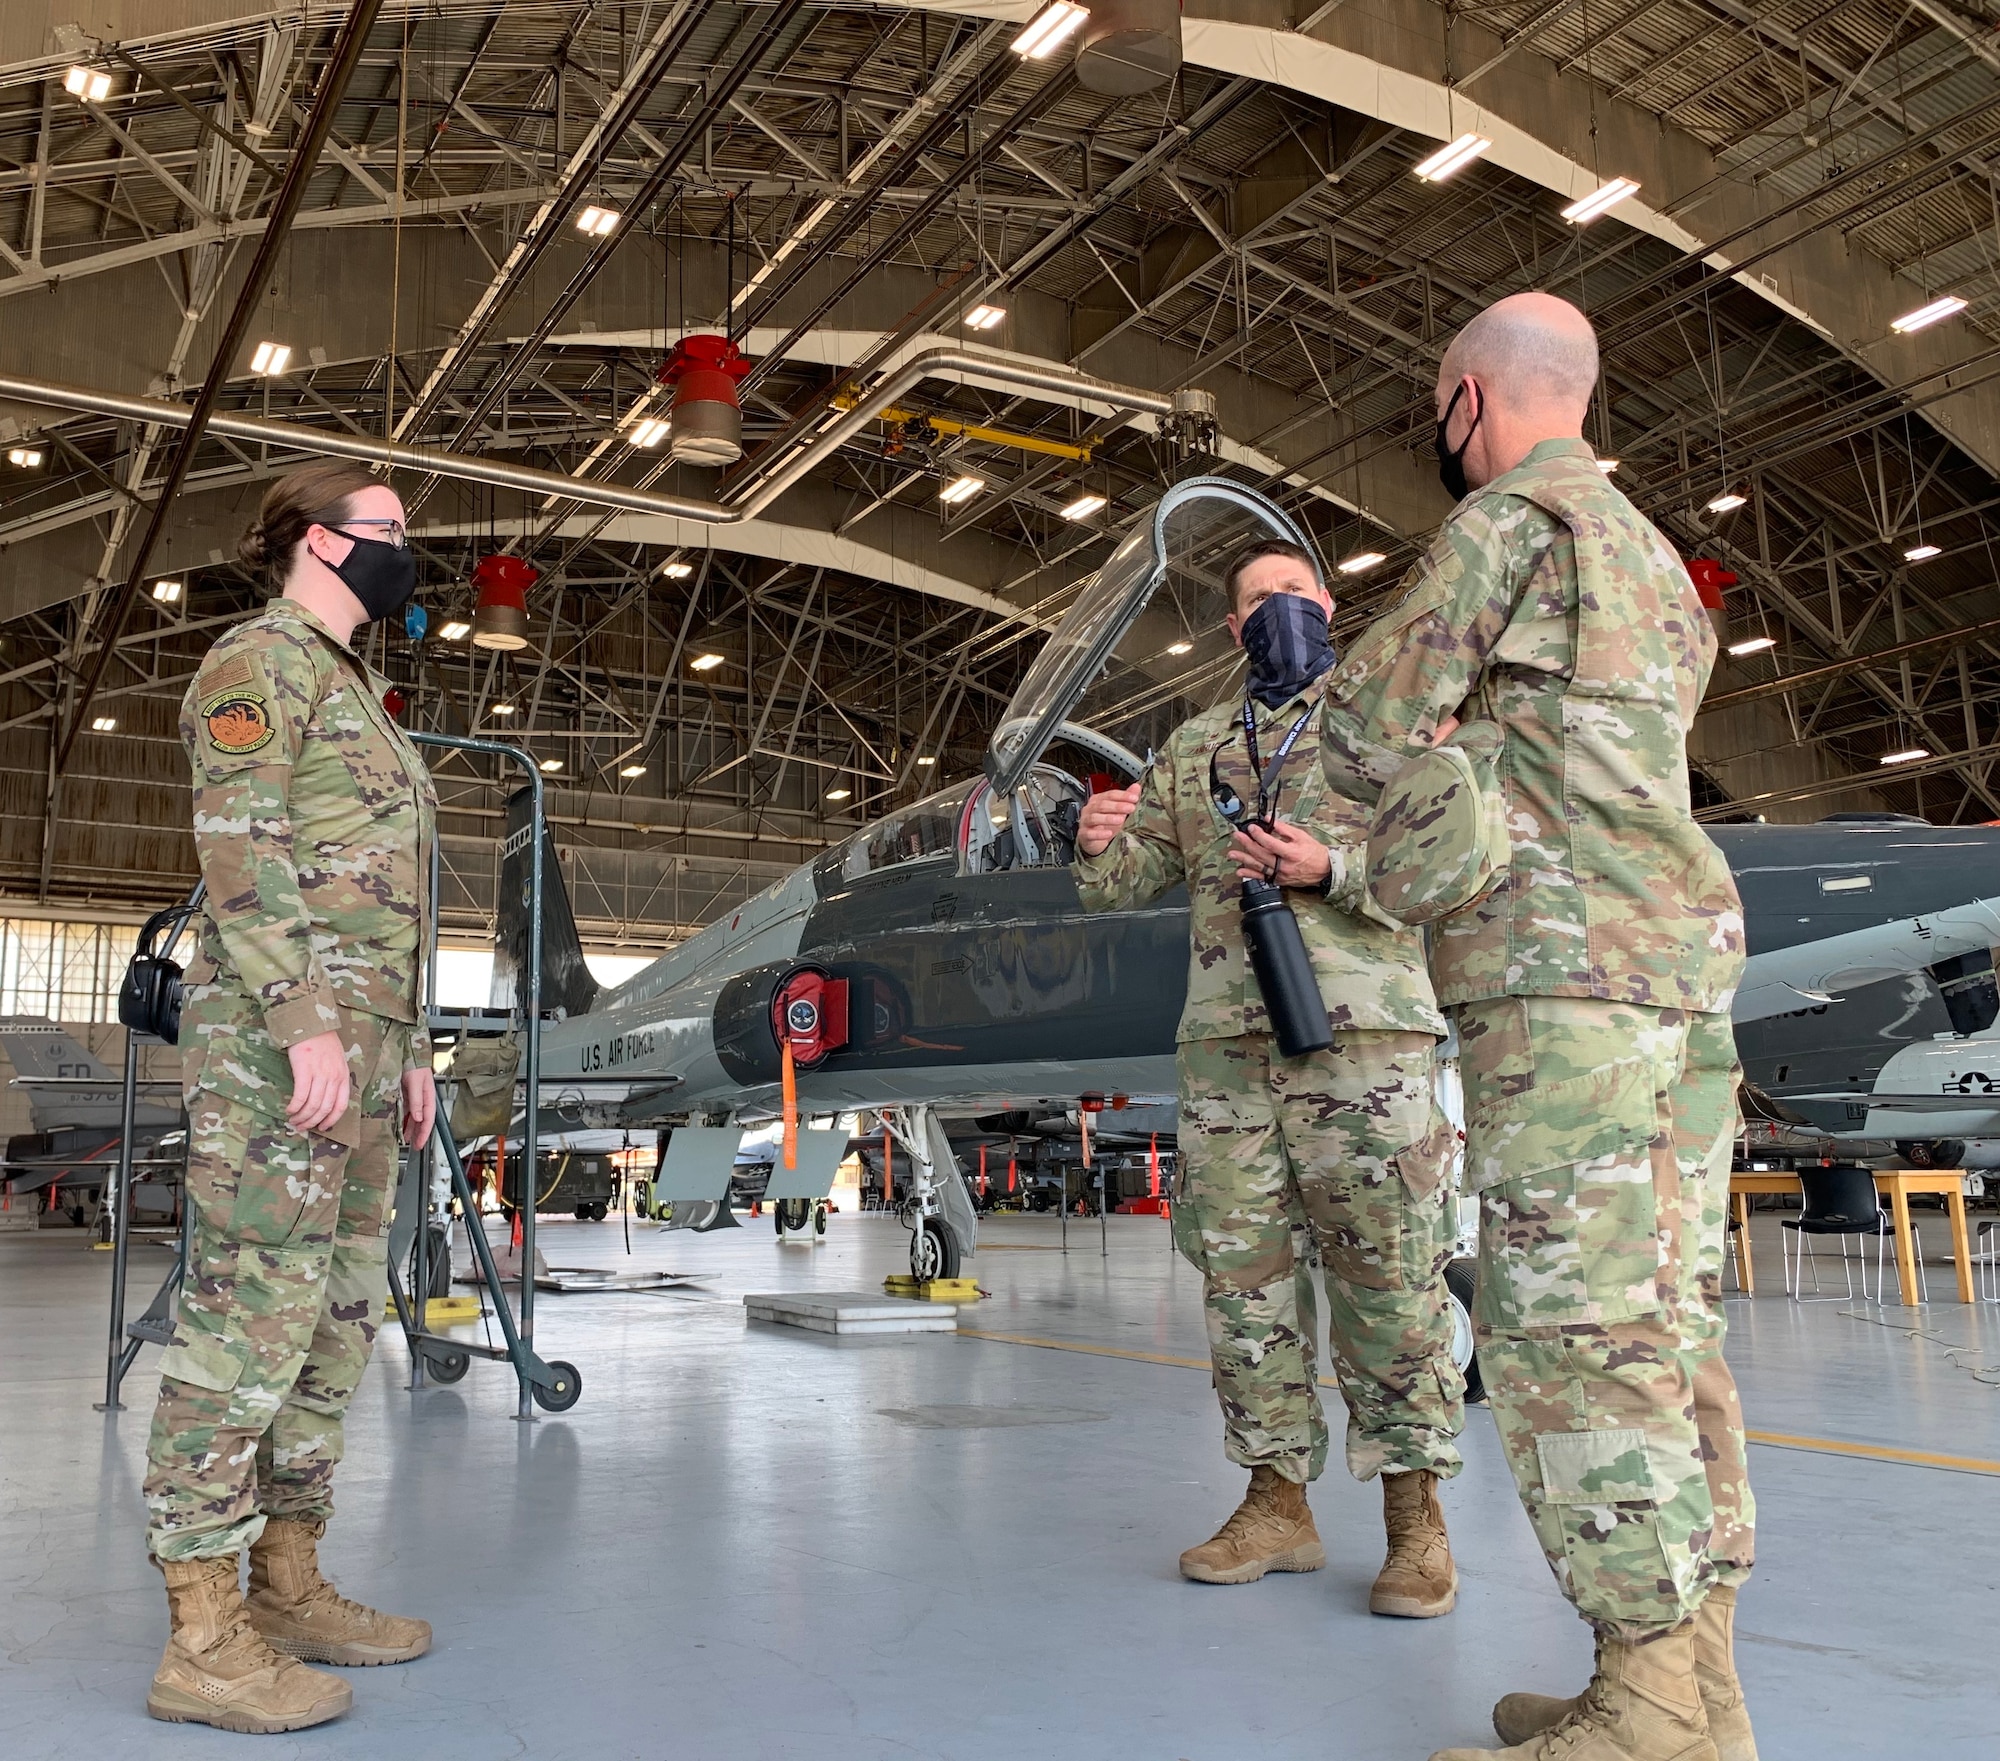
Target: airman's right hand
319	1082
1104	817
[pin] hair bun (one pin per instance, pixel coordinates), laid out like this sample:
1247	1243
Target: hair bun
254	547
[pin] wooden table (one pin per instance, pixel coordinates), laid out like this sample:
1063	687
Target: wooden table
1897	1184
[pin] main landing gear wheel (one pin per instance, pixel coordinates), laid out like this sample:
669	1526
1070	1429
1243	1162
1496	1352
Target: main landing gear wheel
564	1389
791	1213
447	1366
1461	1281
933	1251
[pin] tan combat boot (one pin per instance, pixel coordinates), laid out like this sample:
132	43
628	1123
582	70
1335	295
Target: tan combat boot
302	1615
1519	1716
1271	1530
1643	1704
217	1670
1418	1581
1715	1674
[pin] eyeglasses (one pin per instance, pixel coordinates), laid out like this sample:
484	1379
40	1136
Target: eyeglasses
391	531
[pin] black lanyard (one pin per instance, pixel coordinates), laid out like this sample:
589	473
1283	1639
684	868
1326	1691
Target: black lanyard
1225	797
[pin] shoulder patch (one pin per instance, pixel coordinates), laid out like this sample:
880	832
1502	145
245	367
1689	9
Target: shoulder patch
232	669
237	722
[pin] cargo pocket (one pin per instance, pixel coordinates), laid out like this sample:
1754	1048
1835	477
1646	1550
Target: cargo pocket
202	1363
1184	1219
1601	1496
1569	1231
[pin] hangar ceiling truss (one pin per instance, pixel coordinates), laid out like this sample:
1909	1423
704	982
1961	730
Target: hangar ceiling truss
815	171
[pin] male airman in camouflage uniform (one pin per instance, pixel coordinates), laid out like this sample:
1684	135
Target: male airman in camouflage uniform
1343	1151
313	819
1591	988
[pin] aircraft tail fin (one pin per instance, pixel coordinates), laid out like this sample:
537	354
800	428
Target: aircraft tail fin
567	983
36	1046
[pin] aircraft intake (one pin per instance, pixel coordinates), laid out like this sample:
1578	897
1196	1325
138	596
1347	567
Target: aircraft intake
759	1009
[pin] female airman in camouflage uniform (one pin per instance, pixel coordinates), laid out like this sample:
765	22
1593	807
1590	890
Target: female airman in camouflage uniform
303	1053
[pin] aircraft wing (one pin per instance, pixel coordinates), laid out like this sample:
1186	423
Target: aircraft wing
1814	972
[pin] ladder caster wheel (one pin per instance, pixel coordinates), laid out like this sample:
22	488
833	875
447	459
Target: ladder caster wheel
564	1389
447	1366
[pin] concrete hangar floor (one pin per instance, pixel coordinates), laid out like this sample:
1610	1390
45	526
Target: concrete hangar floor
755	1541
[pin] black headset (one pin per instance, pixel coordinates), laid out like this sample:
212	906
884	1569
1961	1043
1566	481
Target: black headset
149	1001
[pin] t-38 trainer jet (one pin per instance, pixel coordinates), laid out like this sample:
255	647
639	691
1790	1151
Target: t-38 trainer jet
939	958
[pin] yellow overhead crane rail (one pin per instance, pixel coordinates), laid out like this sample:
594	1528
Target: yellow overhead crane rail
1055	449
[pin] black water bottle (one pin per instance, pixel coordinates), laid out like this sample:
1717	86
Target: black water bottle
1284	971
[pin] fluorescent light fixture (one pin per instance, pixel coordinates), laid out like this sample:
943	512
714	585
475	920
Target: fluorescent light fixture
1084	506
960	489
649	432
838	794
1946	306
631	770
501	709
551	765
1727	502
167	592
455	631
1921	553
677	571
705	663
103	724
91	84
1049	29
29	458
1601	200
1180	648
1361	562
1753	645
1907	756
1455	157
1607	466
984	317
926	762
598	221
269	358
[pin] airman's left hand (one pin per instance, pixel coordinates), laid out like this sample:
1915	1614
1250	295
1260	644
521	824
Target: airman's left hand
1298	858
420	1105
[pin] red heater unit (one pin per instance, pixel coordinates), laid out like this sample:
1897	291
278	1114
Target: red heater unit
500	613
1710	578
707	415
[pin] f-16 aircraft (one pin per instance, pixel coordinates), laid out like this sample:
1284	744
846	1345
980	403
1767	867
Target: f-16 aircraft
939	957
75	1102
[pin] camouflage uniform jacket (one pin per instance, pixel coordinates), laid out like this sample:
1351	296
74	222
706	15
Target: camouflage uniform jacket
314	817
1549	604
1371	972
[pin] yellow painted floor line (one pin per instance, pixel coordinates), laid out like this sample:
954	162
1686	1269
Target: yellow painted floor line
1961	1464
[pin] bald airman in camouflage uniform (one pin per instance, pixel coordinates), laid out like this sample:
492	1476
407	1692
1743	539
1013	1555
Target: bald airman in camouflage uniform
313	819
1341	1155
1591	987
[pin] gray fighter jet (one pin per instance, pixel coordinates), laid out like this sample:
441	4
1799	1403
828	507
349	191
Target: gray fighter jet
939	958
75	1101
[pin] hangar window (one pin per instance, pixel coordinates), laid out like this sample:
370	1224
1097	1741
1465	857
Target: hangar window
1847	883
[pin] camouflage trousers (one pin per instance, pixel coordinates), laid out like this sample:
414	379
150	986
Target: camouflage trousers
1598	1136
289	1273
1341	1158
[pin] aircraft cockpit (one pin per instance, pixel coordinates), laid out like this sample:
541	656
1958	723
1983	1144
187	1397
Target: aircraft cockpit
967	828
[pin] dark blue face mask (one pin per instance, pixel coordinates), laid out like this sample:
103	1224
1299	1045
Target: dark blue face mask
1289	647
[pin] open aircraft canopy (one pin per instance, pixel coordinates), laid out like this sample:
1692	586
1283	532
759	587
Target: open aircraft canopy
1186	541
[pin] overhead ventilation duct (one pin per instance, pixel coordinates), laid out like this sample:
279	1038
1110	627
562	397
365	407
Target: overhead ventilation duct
1129	46
500	614
707	413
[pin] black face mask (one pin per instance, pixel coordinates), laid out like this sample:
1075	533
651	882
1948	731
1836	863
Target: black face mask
1451	465
1286	639
382	576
